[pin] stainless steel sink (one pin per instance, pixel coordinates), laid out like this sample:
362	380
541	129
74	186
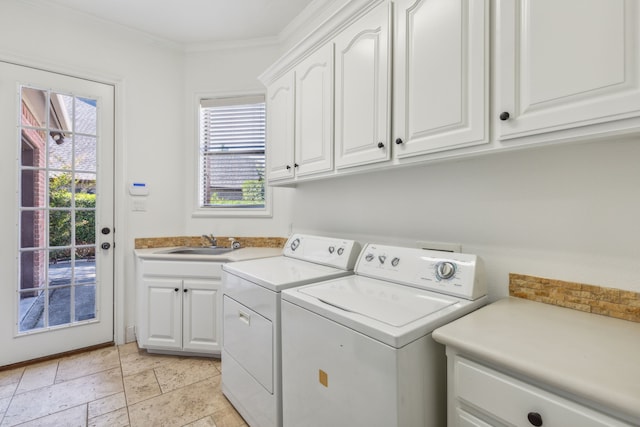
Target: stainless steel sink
198	251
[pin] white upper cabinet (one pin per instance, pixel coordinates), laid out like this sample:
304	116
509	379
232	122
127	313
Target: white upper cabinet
314	113
565	64
441	64
362	110
280	128
300	119
408	81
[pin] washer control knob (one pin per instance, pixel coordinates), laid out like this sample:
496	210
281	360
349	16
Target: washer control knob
369	257
395	261
445	270
332	249
382	258
340	251
295	244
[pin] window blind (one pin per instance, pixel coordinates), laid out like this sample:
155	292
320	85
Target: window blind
232	152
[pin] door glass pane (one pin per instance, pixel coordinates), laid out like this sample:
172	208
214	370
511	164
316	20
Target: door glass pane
60	190
35	181
86	116
60	272
61	119
59	152
31	309
34	236
33	267
86	183
60	228
85	223
85	299
58	209
59	305
85	271
34	107
85	153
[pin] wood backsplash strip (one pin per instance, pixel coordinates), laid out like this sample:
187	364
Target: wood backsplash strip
245	242
610	302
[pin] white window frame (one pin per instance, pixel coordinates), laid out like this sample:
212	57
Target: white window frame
228	212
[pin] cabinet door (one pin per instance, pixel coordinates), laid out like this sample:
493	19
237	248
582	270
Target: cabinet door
280	128
441	75
314	113
201	299
164	315
565	64
362	106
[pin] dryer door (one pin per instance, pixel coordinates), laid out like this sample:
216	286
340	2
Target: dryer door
248	338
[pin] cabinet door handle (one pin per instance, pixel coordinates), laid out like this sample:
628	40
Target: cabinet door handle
504	116
535	418
244	317
176	289
380	144
186	290
399	141
295	165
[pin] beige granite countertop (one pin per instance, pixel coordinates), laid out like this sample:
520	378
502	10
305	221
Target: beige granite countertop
592	357
235	255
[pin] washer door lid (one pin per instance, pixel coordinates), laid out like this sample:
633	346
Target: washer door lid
395	305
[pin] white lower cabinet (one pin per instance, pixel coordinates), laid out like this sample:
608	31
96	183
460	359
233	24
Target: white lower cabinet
481	396
179	306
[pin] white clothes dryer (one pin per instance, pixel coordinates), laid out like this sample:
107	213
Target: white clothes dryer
357	351
251	342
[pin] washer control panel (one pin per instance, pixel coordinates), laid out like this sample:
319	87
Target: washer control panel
339	253
445	272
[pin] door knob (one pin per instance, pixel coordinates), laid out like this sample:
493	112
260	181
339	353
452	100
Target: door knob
105	245
504	116
106	230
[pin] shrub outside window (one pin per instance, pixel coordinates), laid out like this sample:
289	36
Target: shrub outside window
232	153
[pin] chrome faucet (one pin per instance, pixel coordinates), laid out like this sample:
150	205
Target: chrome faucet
211	239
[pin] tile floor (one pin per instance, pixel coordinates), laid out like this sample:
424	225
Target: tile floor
116	387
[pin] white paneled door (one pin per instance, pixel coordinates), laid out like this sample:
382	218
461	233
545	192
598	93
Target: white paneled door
56	254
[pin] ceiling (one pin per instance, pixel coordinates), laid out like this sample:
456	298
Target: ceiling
195	21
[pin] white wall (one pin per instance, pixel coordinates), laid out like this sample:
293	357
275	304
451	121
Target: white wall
223	72
149	112
568	212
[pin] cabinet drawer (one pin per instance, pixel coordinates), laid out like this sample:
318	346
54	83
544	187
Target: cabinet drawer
248	338
464	419
511	400
209	270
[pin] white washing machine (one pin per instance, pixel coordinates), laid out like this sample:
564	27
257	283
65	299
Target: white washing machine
251	342
357	351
